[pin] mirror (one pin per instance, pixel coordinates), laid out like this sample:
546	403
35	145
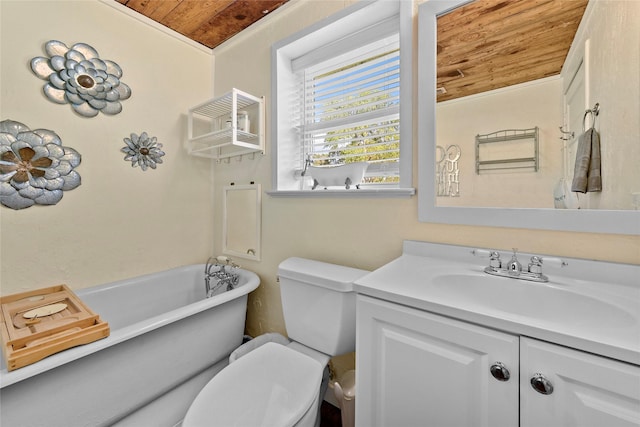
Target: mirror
241	219
524	215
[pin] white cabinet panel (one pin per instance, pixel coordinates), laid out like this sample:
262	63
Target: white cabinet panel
588	390
415	369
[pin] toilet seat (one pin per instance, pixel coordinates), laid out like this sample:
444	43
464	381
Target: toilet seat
272	385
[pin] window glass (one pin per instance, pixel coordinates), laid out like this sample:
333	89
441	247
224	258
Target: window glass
351	111
338	92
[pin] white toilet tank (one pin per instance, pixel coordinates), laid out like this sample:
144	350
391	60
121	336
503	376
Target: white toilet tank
319	304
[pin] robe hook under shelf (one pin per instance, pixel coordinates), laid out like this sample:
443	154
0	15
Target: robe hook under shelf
593	112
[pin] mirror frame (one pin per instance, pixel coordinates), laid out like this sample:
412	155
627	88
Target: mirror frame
258	233
583	220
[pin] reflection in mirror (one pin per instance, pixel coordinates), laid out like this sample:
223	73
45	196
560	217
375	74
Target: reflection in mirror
241	219
602	66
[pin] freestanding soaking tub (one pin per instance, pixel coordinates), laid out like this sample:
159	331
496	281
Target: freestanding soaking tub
167	340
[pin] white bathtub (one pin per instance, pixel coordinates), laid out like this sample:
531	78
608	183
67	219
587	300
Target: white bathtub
166	342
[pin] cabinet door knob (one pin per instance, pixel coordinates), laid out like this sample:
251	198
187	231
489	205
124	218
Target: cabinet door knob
541	384
500	372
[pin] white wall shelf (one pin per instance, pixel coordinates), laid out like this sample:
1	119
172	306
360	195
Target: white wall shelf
215	131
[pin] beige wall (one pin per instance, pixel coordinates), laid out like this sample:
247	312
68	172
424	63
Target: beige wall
325	229
121	222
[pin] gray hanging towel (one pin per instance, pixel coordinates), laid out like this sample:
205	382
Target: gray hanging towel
587	175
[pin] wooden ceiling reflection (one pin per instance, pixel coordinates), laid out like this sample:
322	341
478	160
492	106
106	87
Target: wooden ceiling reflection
491	44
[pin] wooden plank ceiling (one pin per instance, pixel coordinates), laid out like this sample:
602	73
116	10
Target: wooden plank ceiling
208	22
485	45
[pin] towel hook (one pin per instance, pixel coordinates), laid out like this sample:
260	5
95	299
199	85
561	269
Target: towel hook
566	135
594	113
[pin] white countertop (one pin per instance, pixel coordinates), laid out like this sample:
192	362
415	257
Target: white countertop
409	280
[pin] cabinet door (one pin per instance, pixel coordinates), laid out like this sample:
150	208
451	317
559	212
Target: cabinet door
588	390
419	369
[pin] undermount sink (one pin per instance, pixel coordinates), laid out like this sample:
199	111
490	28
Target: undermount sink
545	301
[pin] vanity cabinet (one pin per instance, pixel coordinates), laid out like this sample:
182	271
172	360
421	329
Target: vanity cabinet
228	126
588	390
419	369
416	368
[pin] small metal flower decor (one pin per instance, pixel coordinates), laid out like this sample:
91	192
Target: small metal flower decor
34	166
78	76
142	151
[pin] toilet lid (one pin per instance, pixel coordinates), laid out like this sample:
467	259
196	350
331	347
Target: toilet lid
272	385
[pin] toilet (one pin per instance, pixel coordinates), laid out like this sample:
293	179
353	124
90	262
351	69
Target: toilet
280	384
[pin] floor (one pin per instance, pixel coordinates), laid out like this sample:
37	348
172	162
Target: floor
330	416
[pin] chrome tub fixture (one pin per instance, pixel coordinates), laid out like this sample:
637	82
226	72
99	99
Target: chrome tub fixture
220	275
34	166
78	76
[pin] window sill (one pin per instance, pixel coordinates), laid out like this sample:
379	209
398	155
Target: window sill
361	193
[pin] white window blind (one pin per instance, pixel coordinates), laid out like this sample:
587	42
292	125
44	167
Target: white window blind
350	110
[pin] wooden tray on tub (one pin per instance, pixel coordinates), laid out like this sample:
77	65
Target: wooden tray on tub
41	322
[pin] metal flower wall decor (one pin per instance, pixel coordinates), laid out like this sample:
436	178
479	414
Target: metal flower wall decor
78	76
34	166
143	151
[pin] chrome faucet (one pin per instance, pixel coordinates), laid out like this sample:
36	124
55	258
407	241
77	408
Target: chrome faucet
494	260
514	269
223	271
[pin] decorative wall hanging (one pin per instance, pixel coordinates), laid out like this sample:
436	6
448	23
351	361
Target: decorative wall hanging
34	166
79	77
143	151
447	171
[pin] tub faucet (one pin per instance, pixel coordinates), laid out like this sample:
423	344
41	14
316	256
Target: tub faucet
220	272
514	269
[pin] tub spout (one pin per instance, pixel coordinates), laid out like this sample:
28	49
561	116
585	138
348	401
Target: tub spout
220	273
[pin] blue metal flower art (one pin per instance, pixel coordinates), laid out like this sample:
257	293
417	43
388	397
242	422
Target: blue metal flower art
143	151
34	166
78	76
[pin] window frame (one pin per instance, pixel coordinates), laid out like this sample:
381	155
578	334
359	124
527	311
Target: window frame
324	37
